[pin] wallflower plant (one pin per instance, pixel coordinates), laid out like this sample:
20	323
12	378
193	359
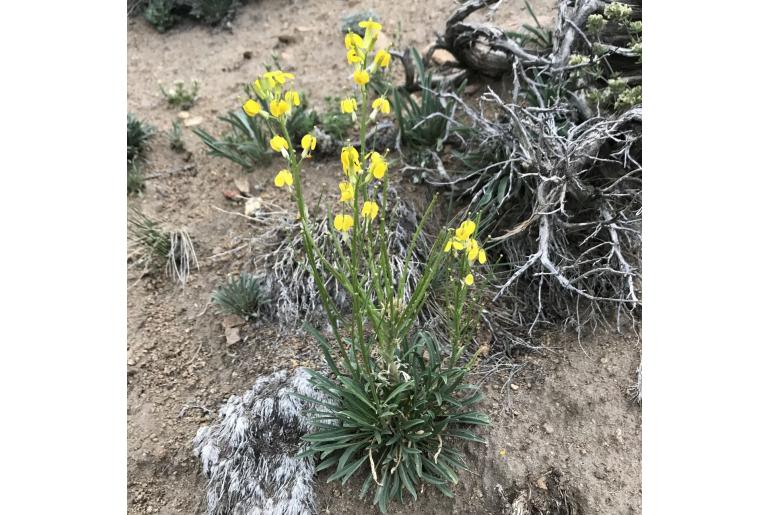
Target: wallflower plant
395	401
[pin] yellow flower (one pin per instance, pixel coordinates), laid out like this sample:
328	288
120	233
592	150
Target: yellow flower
349	106
377	165
346	192
277	77
468	279
370	25
259	89
308	142
381	104
473	250
279	107
353	57
279	144
360	77
465	230
454	244
284	178
382	58
252	108
350	161
370	210
482	256
353	41
292	97
343	223
503	452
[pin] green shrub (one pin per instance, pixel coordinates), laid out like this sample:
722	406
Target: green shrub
159	13
212	11
179	96
399	434
139	133
164	14
242	296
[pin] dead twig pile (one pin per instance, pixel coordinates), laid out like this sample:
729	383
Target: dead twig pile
556	167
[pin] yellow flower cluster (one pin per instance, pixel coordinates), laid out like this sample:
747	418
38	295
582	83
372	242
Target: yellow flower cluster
270	92
462	241
358	51
269	89
351	167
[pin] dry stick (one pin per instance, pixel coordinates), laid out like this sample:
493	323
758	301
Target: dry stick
172	171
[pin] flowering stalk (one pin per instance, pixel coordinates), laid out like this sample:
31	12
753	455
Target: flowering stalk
380	308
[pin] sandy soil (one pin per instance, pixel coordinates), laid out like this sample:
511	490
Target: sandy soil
570	415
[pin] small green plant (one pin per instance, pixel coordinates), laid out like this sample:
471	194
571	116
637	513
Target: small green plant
242	296
160	14
172	248
139	133
536	37
174	136
245	143
135	178
423	122
400	435
179	96
333	122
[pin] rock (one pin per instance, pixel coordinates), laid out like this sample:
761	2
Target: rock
514	387
253	205
484	351
548	428
183	115
541	483
242	183
232	335
192	122
287	39
232	321
442	57
604	360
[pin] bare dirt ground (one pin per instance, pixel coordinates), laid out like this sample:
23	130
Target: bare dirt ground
569	416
